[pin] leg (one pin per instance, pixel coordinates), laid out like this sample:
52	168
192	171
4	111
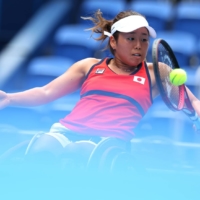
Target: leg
46	149
76	154
54	147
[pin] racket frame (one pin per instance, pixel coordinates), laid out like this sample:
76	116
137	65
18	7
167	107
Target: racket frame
183	95
158	79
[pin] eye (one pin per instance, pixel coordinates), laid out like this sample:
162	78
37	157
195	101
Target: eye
130	38
145	39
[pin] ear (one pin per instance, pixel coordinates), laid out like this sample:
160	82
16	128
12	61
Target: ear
113	42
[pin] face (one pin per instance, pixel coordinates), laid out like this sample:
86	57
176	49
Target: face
131	48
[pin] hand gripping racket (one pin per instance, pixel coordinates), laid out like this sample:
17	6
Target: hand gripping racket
175	97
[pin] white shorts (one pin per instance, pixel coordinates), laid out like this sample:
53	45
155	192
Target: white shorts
65	135
58	131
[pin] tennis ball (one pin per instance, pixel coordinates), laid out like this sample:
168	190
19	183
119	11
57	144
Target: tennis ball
178	77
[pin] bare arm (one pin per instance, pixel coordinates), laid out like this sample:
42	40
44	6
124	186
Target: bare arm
67	83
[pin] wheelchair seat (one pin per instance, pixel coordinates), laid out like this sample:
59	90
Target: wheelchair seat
109	156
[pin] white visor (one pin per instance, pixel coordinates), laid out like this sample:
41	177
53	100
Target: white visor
129	24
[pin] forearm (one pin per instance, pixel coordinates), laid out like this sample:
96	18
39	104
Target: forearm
32	97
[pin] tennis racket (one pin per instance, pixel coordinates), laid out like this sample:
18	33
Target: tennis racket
175	97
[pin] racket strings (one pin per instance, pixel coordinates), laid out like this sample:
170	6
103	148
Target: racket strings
175	97
165	66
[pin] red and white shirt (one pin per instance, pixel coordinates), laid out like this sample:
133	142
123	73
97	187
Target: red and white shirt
111	105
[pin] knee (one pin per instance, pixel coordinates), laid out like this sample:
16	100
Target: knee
76	154
82	148
44	149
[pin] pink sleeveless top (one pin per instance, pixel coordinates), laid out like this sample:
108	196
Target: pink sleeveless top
111	105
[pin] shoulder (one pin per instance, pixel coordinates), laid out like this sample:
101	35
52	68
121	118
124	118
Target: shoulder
84	65
89	61
151	72
155	90
149	65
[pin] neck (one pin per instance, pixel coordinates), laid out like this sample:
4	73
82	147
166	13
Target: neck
123	67
127	69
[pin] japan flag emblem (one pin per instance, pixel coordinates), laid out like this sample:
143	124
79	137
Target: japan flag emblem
139	79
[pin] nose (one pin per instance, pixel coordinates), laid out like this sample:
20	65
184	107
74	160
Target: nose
137	44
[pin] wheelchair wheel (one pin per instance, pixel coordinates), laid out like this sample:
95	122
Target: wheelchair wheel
107	156
122	163
103	154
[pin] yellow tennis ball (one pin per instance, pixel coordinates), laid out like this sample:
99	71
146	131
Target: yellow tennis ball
178	77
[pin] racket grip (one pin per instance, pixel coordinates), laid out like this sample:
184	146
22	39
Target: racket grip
196	120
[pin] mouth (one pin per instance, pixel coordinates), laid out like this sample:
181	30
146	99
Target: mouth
137	54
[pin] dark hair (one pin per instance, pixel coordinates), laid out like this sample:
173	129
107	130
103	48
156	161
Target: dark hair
101	24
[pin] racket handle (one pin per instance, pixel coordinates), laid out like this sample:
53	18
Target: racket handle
196	120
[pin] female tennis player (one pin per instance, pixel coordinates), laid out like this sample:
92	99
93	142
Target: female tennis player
116	92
